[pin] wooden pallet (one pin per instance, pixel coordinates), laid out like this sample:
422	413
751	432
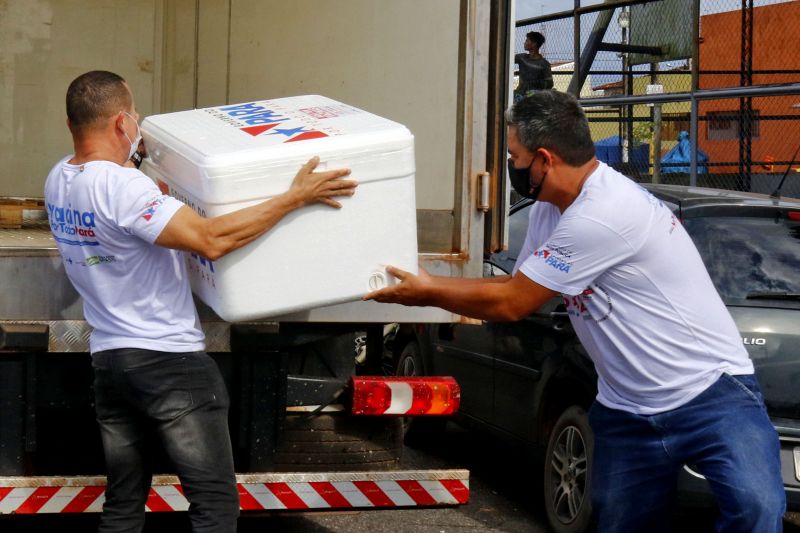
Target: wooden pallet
11	210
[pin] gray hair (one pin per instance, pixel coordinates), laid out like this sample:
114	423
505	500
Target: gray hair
555	121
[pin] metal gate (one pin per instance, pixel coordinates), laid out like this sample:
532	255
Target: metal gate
699	92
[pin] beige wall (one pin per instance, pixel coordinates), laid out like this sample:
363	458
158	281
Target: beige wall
45	44
396	59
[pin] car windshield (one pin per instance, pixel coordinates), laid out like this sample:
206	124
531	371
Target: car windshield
749	257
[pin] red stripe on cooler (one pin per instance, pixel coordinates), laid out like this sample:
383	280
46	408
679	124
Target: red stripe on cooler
36	500
4	492
307	135
375	495
256	130
86	497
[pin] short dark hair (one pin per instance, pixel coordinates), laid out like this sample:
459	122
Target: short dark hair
95	95
536	37
553	120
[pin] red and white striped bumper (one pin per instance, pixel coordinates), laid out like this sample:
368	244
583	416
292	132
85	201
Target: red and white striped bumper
257	492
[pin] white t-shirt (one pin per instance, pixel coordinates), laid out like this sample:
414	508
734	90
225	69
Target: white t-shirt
543	218
104	219
637	292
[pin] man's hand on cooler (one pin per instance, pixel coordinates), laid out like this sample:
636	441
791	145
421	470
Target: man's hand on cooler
411	289
311	187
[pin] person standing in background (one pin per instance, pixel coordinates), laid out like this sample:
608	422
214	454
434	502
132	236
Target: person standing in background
534	69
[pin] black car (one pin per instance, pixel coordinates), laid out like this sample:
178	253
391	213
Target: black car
531	381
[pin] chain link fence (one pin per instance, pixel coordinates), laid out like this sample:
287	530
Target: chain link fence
684	48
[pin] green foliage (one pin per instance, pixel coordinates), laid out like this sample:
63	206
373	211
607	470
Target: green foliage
642	133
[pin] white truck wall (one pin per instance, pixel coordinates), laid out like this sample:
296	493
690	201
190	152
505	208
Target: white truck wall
395	59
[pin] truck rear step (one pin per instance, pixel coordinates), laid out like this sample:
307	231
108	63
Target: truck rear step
257	492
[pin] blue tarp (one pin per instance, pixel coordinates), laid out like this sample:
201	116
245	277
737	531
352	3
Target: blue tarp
681	153
609	151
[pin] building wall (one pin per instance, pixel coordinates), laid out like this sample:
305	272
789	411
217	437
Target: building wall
774	48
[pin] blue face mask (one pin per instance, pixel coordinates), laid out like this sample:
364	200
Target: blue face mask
521	180
137	140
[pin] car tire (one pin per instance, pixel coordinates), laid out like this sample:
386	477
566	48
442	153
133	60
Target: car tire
567	472
416	429
409	362
337	442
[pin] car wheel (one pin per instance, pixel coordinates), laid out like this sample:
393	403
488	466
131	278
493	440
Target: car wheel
567	472
409	363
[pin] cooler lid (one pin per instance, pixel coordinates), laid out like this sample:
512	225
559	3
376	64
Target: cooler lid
280	128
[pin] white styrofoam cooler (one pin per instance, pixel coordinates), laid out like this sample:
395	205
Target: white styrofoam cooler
222	159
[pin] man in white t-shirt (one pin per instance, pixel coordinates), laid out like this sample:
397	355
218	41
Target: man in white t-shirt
119	237
675	384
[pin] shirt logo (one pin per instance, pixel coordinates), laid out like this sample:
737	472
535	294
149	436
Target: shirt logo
673	223
594	303
97	260
67	223
558	258
151	206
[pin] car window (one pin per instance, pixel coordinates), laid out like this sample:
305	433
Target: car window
517	230
746	255
503	262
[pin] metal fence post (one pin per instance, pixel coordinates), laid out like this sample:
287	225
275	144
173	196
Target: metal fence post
656	143
693	140
700	98
693	117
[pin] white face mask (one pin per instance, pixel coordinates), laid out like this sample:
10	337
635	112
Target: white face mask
135	142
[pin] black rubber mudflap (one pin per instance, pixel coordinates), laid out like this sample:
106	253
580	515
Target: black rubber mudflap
338	442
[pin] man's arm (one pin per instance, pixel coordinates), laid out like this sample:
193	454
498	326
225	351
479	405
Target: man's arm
215	237
504	299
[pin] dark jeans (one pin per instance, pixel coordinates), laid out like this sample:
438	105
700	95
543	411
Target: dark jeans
181	399
724	433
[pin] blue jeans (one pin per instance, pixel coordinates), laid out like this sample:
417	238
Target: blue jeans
179	398
724	433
